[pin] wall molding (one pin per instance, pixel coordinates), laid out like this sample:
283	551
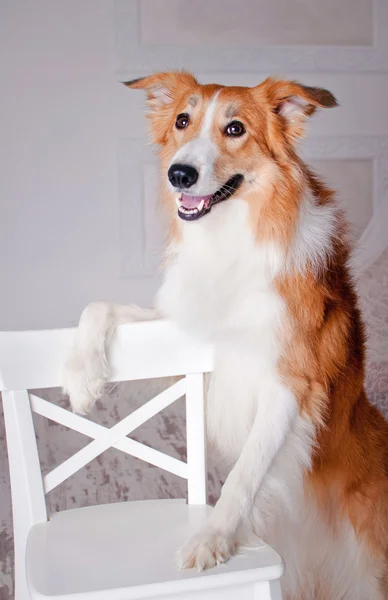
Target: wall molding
137	258
374	239
269	59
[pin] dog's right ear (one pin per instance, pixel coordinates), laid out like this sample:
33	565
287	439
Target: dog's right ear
163	91
163	88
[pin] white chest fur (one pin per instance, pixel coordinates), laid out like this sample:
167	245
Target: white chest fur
220	280
220	287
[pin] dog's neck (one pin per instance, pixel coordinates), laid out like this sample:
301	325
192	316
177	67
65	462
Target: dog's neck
213	266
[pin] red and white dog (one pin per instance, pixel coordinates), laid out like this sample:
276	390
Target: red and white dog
257	262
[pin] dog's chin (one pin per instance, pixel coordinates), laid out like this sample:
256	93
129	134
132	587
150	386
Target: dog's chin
192	208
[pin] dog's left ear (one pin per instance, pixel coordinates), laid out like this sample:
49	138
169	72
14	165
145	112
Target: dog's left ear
294	102
163	88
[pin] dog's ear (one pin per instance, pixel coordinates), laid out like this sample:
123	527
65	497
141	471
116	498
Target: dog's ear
163	88
163	91
294	102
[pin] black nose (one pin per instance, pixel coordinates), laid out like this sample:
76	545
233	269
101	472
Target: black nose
182	176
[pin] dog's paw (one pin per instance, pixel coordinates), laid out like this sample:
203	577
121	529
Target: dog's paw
205	550
83	381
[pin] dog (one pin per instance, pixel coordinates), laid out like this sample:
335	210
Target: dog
257	262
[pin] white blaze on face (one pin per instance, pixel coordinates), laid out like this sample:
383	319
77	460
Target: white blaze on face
201	153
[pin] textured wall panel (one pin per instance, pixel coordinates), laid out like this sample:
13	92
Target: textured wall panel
256	23
353	182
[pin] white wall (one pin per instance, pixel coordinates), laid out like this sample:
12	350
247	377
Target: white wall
61	114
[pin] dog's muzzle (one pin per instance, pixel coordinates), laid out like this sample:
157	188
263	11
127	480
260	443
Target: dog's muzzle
191	208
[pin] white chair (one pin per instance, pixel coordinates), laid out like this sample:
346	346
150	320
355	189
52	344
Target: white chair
125	550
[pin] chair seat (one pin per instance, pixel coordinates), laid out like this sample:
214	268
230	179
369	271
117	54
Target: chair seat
126	551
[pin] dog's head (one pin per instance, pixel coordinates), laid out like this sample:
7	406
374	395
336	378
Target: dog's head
215	140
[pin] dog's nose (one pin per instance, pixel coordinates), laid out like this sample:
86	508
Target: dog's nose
182	176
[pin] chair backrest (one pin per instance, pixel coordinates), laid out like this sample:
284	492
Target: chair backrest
34	359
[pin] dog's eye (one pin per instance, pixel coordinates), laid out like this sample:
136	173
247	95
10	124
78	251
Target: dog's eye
182	121
235	129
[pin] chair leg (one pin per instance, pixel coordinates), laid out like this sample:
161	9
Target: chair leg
28	501
276	591
21	588
269	590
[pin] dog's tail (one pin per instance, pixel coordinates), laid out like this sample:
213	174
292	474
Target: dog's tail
87	370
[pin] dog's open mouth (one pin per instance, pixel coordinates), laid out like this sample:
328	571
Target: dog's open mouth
191	208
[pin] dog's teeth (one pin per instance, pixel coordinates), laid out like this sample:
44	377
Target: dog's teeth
200	205
189	211
178	202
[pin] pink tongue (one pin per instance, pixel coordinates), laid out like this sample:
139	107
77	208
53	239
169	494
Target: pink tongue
193	201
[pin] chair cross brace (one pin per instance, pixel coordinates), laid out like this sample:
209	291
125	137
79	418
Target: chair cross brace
104	437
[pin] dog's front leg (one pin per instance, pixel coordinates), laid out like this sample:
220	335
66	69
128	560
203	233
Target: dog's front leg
86	370
217	541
